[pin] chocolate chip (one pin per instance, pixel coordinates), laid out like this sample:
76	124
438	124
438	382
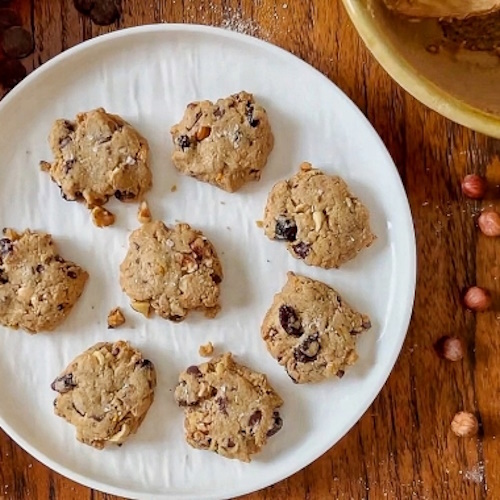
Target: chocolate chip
142	363
301	249
105	12
8	18
72	275
277	424
184	141
285	229
249	113
216	279
255	418
307	351
6	246
63	384
60	307
340	373
17	42
222	404
289	321
11	73
194	370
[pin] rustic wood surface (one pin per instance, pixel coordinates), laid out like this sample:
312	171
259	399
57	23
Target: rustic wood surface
403	446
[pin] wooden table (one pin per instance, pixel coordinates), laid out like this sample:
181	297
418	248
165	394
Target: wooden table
403	446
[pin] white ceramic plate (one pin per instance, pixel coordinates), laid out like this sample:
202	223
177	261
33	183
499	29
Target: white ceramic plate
148	75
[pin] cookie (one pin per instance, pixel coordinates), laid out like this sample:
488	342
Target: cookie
229	408
105	392
171	270
98	156
311	331
38	288
226	144
322	222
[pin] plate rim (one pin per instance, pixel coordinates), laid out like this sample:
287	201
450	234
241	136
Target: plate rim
409	237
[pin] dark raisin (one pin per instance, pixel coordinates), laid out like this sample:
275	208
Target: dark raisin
6	246
64	141
222	404
255	418
289	321
142	363
366	324
285	229
277	424
249	113
11	73
72	275
124	195
3	278
175	318
194	370
70	126
39	268
63	384
183	141
17	42
68	165
216	279
301	249
60	307
219	112
77	410
307	351
340	373
230	443
59	259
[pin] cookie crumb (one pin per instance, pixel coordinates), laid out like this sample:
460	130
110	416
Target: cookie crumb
305	166
102	217
173	189
115	318
206	350
144	214
259	223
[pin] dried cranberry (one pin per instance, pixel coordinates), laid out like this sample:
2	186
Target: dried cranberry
277	424
285	229
301	249
289	321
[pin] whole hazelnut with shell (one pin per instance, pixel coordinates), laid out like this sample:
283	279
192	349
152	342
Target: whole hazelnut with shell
477	299
449	348
489	223
474	186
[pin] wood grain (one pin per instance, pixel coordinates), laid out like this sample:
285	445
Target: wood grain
403	446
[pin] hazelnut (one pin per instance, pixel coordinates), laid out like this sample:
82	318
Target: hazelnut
477	299
203	133
102	217
206	350
144	214
489	223
464	424
474	186
449	348
115	318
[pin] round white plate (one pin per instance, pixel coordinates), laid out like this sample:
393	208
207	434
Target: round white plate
148	75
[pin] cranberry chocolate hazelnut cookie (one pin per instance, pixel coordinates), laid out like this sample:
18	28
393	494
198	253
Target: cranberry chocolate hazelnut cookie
97	156
172	271
38	288
321	221
105	392
226	144
311	331
229	408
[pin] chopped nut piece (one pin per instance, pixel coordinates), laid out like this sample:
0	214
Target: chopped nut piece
173	189
115	318
464	424
142	307
206	350
144	214
102	217
259	223
189	264
203	133
318	218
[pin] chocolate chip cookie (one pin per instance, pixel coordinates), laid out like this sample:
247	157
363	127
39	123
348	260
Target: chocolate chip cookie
322	223
105	392
229	408
38	288
226	144
171	270
311	331
98	156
